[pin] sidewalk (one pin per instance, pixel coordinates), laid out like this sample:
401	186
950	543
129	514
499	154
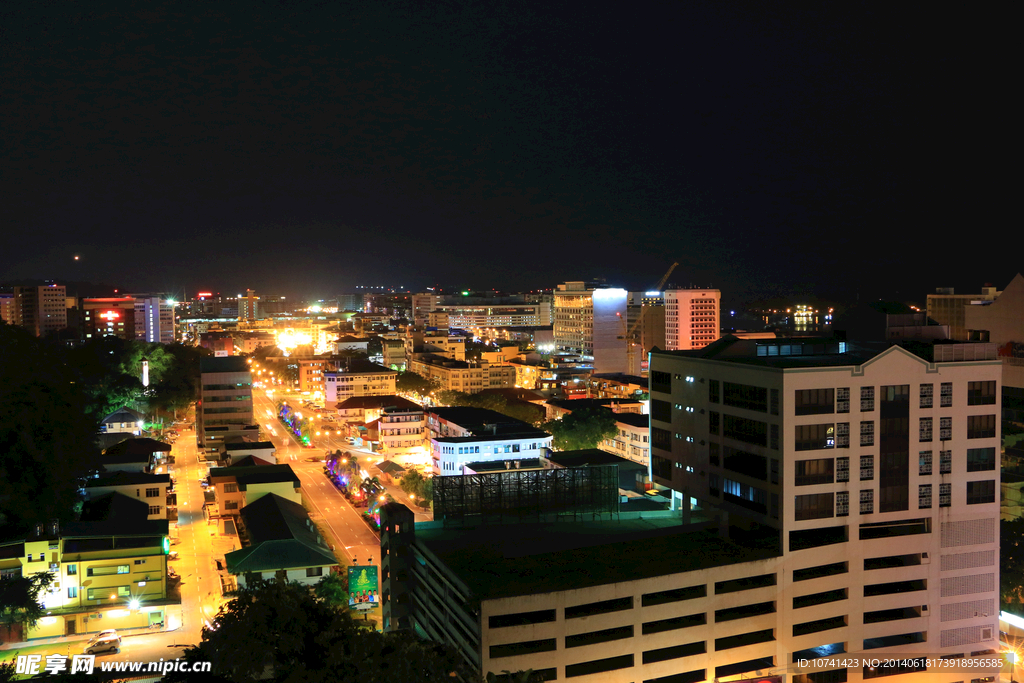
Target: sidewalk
172	622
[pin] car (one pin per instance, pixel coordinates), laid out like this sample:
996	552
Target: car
103	645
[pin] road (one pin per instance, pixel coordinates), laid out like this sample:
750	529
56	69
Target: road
347	532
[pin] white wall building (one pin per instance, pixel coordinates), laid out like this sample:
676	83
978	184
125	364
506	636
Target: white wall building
591	322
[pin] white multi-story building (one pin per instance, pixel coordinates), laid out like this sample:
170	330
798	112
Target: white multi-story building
462	435
154	319
880	470
632	438
592	322
401	431
692	318
357	377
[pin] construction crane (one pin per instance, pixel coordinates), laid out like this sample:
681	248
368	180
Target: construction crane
630	334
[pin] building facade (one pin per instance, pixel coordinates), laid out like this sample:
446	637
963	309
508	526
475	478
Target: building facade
948	308
880	470
358	377
458	375
109	317
592	322
692	318
225	402
400	431
40	310
154	319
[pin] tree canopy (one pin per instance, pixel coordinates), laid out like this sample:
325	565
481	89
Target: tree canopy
414	483
47	433
284	632
414	383
581	429
518	410
19	599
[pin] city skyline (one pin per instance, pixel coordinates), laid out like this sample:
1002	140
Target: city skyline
305	152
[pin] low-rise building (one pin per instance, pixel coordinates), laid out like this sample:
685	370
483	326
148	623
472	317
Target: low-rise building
619	386
283	543
358	377
237	487
400	431
151	489
123	421
461	435
469	378
368	408
137	455
632	441
109	572
233	452
557	408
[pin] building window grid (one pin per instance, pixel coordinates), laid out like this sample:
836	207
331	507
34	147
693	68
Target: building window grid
925	429
843	400
867	467
842	469
926	395
867	399
867	501
924	463
946	395
945	495
843	435
843	504
945	428
867	433
924	496
945	462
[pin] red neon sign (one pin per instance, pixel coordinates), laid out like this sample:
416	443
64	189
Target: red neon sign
205	294
110	315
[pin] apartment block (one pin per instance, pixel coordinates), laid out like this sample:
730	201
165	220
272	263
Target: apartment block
154	318
400	431
239	486
591	321
225	402
461	435
357	377
878	468
692	318
457	375
40	310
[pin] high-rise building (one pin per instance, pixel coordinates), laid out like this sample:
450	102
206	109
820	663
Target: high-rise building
41	310
7	308
591	321
154	318
691	318
225	404
249	306
880	470
109	317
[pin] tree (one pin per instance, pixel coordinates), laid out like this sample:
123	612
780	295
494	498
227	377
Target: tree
414	383
20	601
333	590
46	433
284	632
581	429
1011	563
414	483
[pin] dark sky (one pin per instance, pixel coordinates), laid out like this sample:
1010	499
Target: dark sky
305	148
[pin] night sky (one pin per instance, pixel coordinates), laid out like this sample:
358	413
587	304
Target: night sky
306	148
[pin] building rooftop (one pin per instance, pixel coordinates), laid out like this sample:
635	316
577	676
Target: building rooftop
621	378
251	461
127	479
634	419
113	506
282	537
365	402
571	404
530	558
248	445
228	364
782	352
473	418
257	474
140	446
361	366
124	415
628	469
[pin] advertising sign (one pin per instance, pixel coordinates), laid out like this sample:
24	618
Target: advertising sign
362	587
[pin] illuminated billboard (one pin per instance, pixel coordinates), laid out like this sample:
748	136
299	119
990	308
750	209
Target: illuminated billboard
362	587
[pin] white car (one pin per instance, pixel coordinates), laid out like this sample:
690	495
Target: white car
103	644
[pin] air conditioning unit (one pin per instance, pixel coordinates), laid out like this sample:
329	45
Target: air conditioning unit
986	633
54	566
